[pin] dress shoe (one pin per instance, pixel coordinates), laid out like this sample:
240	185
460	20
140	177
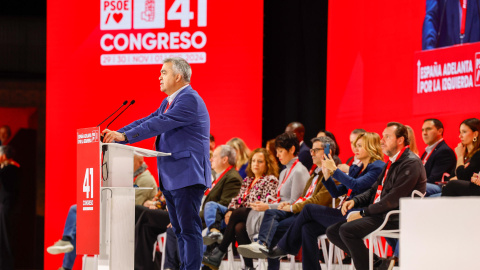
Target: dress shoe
214	259
384	263
275	253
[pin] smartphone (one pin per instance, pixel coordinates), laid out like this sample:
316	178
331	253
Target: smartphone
326	149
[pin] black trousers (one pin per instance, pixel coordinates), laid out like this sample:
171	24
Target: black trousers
6	253
349	237
237	230
461	188
150	223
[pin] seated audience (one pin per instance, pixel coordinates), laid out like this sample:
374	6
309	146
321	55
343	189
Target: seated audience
242	155
314	219
67	244
438	157
403	174
276	221
293	177
304	152
9	191
468	161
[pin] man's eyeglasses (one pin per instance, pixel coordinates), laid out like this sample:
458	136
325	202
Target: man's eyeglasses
315	150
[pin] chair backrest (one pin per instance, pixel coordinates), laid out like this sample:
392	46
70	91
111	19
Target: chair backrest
418	193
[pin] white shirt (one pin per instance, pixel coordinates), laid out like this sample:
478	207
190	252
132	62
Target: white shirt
430	148
394	158
172	96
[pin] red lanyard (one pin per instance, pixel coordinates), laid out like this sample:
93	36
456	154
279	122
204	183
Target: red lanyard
309	191
248	190
218	179
463	4
428	155
380	187
285	179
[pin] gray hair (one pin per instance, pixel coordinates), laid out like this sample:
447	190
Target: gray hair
228	151
180	66
324	140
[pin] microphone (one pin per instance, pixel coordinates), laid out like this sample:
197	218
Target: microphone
124	103
131	103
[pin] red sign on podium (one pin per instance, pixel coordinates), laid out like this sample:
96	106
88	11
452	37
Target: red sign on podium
88	190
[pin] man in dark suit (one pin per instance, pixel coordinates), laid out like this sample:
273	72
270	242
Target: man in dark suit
438	157
226	185
227	181
304	152
182	128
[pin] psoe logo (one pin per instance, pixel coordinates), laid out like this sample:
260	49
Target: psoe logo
477	69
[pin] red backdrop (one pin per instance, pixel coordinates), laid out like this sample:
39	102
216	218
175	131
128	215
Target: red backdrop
370	72
222	40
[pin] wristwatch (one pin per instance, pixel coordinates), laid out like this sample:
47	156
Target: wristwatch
362	213
125	136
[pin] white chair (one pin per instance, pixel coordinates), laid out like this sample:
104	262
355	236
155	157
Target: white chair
330	252
373	237
161	241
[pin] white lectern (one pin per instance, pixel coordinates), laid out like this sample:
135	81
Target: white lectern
106	201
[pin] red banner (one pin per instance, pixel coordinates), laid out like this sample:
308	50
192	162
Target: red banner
88	191
446	79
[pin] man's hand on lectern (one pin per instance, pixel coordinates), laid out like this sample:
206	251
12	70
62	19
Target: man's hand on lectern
111	136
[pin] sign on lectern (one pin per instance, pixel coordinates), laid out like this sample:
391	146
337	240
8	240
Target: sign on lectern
88	190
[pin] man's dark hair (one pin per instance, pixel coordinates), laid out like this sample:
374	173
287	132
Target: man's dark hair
437	123
358	131
400	131
7	150
324	140
287	140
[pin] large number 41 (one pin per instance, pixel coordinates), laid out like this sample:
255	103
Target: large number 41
88	183
180	10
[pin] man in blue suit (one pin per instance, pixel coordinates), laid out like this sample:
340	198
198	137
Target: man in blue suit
182	127
443	21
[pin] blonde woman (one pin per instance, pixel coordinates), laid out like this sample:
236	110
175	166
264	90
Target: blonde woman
243	153
411	138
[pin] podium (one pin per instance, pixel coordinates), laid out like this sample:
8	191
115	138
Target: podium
106	201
